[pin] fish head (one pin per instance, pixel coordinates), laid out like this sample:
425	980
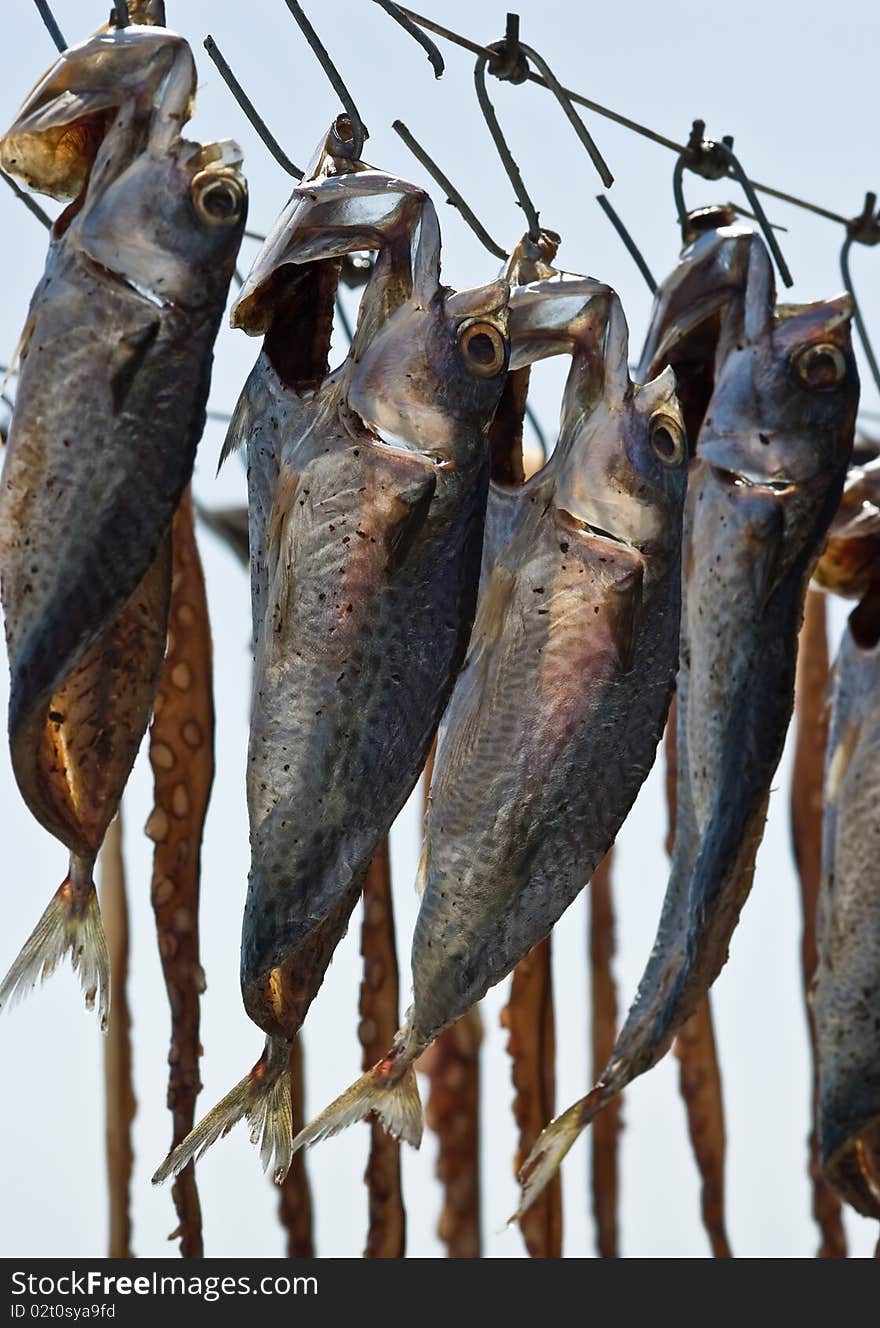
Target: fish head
169	225
431	376
58	132
848	565
688	311
782	416
620	466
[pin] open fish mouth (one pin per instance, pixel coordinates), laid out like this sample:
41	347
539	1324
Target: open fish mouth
738	479
592	529
58	132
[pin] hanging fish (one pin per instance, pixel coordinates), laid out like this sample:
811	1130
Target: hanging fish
115	369
367	493
771	460
846	993
556	715
849	561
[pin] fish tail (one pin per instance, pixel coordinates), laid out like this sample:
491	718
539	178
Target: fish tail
553	1143
389	1090
263	1099
70	925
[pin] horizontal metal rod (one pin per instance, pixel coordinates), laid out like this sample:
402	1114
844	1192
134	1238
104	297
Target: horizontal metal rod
476	49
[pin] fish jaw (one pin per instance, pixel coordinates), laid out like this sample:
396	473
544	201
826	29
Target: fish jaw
343	207
448	361
846	993
55	136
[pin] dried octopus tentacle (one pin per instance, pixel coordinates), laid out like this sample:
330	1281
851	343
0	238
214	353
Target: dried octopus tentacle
528	1017
452	1111
182	757
386	1235
608	1124
811	740
120	1101
699	1074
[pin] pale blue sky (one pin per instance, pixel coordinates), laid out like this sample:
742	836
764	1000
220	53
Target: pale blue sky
770	75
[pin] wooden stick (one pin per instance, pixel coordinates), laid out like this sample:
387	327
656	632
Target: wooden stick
120	1102
528	1017
295	1195
452	1065
605	1131
699	1074
182	757
386	1235
811	739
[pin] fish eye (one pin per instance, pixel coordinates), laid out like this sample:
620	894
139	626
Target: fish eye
217	199
667	440
820	367
483	347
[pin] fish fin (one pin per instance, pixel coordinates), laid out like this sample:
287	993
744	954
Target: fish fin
236	429
552	1144
397	1105
71	924
840	759
491	611
263	1099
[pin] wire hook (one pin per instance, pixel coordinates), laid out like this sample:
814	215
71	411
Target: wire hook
433	53
250	110
51	26
863	229
632	248
452	194
509	61
715	161
353	147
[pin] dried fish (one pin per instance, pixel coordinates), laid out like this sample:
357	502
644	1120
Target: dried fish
846	996
115	369
367	499
569	672
771	460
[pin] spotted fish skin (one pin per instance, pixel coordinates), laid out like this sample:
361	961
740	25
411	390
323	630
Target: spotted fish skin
116	355
115	369
367	495
775	440
846	993
556	716
555	719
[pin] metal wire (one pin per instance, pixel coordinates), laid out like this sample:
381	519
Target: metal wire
355	146
51	26
715	161
452	194
632	248
250	110
476	49
857	313
437	62
30	203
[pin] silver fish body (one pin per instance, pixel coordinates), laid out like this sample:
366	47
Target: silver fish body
770	463
846	992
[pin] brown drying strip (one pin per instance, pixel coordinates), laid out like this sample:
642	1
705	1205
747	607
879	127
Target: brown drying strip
811	740
386	1234
699	1074
182	757
120	1102
452	1066
605	1130
528	1017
